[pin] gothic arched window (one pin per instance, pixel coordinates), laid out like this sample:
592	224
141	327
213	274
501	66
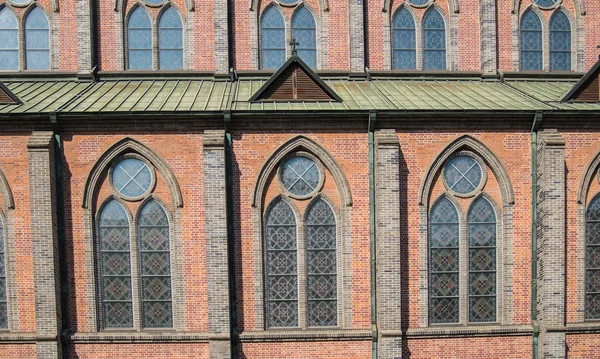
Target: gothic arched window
37	41
404	40
434	40
9	46
170	40
304	30
139	40
560	42
531	41
272	39
592	260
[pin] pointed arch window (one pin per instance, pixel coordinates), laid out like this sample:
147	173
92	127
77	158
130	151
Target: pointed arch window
9	46
592	260
434	40
139	40
37	41
170	40
560	42
531	41
272	39
304	30
404	40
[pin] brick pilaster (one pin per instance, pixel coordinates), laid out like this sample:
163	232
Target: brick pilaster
215	202
221	37
84	35
44	238
387	212
551	244
488	37
357	38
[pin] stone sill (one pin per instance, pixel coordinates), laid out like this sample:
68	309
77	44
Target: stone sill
24	338
461	331
576	328
300	335
145	337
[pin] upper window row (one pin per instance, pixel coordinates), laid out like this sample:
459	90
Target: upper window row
36	41
532	42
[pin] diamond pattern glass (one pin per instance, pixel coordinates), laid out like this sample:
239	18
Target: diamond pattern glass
37	41
304	31
115	266
419	2
463	174
131	177
434	40
444	263
154	2
272	39
9	46
139	40
482	261
3	296
560	42
321	257
592	260
155	266
404	40
531	41
300	175
281	266
170	40
545	3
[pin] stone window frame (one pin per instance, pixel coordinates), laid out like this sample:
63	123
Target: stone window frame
482	166
343	232
7	208
91	210
154	21
504	232
319	167
151	169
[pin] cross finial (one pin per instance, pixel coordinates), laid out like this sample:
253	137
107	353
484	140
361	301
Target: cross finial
294	43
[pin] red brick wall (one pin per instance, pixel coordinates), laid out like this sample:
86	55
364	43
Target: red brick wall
139	350
17	351
488	348
306	350
583	346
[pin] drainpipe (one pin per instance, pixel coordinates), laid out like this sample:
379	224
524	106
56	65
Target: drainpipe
372	119
230	241
536	330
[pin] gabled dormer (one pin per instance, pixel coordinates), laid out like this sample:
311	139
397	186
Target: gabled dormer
588	88
7	97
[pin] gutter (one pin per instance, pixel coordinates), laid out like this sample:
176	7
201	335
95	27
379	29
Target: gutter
372	119
536	330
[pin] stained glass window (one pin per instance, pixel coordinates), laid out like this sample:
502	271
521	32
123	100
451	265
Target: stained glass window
304	31
281	266
37	41
170	40
321	265
482	262
419	2
463	174
592	260
3	292
560	42
272	39
9	46
155	266
131	177
300	175
545	3
531	41
115	266
434	41
444	269
139	40
154	2
404	40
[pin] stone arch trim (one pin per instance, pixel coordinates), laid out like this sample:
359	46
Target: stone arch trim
586	180
120	4
467	142
324	4
579	6
119	148
9	201
452	4
306	144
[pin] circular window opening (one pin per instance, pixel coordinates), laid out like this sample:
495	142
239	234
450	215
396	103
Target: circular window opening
546	3
463	174
419	3
132	178
300	176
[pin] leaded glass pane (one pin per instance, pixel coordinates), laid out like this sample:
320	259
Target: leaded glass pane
482	261
419	2
560	42
272	39
139	40
115	266
404	40
131	177
3	296
37	41
155	266
170	40
281	262
463	174
443	263
9	46
531	41
304	31
321	258
300	175
434	41
154	2
592	260
545	3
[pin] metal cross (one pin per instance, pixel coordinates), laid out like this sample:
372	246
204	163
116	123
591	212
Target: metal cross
294	43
